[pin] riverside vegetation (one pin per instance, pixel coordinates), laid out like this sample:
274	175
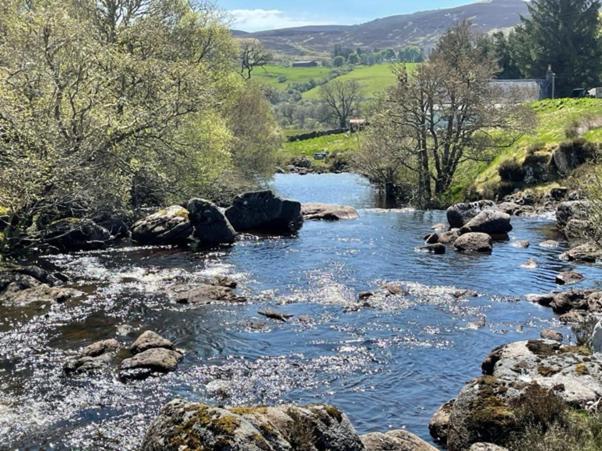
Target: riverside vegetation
127	137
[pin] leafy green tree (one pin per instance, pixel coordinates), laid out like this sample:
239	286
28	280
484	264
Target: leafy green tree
95	95
565	35
338	61
353	59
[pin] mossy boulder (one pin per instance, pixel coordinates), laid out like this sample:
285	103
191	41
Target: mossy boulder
186	425
169	226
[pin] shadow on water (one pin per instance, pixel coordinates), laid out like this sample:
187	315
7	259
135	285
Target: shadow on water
387	366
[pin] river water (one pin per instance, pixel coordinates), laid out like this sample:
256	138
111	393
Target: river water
388	366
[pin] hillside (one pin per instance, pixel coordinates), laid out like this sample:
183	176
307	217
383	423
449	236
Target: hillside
420	29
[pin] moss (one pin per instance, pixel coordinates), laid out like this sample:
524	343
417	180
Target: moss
244	410
334	413
546	371
581	369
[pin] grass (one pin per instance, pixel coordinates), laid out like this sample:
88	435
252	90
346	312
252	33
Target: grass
553	119
269	75
372	79
342	143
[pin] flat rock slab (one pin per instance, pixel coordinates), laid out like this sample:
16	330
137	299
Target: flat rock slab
474	243
398	440
328	212
205	294
147	363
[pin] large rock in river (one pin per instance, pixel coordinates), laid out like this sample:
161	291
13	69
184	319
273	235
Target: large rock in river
264	212
493	222
328	212
474	243
168	226
523	381
458	215
186	425
211	227
74	234
572	217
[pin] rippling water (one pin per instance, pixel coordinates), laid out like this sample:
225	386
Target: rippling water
387	366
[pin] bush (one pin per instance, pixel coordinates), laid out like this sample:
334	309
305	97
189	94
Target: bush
511	171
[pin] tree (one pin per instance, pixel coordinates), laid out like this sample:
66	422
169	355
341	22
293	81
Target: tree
338	61
446	111
342	98
565	35
252	55
353	59
99	95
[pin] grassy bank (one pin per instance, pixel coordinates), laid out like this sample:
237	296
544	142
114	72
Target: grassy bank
281	77
340	144
554	119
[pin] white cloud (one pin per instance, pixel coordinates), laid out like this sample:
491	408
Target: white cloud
267	19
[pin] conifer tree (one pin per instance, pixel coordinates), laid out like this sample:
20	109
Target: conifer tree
565	35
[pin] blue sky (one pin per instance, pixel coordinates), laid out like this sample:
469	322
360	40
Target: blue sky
255	15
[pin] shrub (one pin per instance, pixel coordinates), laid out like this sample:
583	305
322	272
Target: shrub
511	171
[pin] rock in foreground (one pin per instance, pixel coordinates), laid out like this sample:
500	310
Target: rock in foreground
327	212
264	212
166	227
186	425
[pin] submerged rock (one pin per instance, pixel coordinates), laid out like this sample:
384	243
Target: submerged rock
493	222
205	294
327	212
170	226
521	244
550	334
474	243
568	278
189	425
437	249
264	212
75	234
211	227
486	447
460	214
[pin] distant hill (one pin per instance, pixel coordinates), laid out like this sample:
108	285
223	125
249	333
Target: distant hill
421	29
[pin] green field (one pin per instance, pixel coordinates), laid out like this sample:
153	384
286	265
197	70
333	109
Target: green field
372	79
333	144
270	74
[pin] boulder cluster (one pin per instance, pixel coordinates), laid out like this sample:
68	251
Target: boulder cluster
187	425
198	221
473	227
149	355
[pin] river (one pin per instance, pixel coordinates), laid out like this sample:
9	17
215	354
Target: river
389	366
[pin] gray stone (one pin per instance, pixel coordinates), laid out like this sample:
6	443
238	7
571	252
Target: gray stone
264	212
397	440
474	243
460	214
148	340
486	447
550	334
492	222
437	249
170	226
585	253
204	294
92	358
147	363
521	244
327	212
211	227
